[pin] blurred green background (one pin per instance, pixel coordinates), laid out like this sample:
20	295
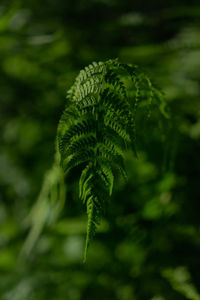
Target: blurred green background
148	246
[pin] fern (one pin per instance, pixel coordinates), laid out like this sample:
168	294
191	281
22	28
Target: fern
96	128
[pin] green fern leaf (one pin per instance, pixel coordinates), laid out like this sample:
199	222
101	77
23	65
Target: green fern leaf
97	127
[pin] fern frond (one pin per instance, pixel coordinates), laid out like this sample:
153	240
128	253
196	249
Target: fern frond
97	127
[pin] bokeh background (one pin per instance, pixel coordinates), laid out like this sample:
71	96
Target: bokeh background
148	246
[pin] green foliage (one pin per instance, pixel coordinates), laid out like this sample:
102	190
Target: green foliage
98	126
48	205
147	244
180	280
